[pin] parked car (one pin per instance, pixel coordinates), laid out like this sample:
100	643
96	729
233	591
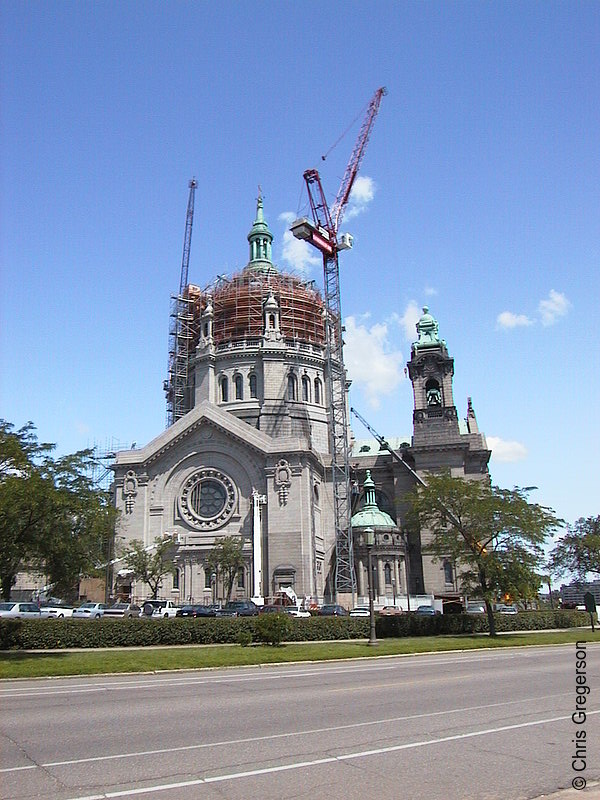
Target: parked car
20	610
426	610
90	611
360	611
159	609
475	607
507	609
297	612
123	610
196	611
333	610
238	608
390	611
56	610
271	609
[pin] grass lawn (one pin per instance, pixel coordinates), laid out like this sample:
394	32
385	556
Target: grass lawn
19	664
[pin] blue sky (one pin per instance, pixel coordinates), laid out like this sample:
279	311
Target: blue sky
479	197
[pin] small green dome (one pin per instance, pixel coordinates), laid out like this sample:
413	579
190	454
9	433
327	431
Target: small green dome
370	515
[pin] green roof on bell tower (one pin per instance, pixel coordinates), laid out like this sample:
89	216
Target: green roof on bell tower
260	239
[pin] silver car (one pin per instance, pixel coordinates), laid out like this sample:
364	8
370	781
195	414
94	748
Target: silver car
90	611
20	610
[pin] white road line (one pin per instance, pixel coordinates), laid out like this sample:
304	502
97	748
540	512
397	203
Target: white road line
317	762
311	732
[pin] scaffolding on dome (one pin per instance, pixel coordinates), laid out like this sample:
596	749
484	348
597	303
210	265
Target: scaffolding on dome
238	307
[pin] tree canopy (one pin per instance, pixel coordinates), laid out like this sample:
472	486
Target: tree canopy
150	564
53	519
493	535
226	559
578	551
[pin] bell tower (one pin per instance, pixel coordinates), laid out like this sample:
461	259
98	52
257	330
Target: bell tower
431	371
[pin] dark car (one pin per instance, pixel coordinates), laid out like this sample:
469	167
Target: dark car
196	611
333	610
271	610
238	608
428	610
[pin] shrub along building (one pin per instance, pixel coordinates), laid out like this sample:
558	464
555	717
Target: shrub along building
249	454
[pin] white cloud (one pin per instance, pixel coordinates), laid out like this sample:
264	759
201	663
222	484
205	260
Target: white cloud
509	320
363	192
430	291
370	363
408	320
506	451
554	307
297	253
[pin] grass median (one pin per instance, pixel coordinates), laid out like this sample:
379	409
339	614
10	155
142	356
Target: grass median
23	664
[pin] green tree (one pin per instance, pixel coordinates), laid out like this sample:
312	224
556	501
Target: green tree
226	559
494	535
150	563
53	520
578	551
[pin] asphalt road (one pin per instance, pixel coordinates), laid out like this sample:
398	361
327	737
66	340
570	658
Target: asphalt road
457	726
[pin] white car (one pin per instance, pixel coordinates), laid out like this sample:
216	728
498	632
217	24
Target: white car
90	611
56	610
20	610
360	611
296	612
159	609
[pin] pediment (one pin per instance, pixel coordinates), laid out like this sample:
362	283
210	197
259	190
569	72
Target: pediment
206	415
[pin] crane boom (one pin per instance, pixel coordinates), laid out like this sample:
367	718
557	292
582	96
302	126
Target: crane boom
343	195
180	332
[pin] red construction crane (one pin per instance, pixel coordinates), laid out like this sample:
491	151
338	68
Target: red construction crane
180	329
322	232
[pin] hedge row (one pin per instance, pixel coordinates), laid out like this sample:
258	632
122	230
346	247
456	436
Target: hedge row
52	634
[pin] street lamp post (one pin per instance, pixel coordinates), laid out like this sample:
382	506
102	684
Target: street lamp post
213	580
394	592
369	540
406	568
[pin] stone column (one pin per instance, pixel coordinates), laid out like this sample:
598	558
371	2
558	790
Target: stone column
397	575
380	575
361	577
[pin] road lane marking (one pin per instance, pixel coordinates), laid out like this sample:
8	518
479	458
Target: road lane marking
248	740
317	762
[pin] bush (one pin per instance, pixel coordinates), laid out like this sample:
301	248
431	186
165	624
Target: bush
51	634
272	628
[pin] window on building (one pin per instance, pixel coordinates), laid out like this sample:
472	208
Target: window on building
207	577
292	393
272	321
241	579
305	389
387	571
448	572
176	578
224	390
253	386
318	392
239	387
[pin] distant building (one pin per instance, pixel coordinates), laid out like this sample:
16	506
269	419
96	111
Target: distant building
572	593
251	456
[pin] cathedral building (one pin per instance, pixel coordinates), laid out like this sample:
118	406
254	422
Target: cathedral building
250	458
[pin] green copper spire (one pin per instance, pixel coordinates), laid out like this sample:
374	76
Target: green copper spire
370	515
428	330
260	239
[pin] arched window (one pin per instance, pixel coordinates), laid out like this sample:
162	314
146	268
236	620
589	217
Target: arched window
240	579
387	570
206	328
448	572
239	387
433	393
224	390
305	389
292	393
253	386
272	321
318	394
